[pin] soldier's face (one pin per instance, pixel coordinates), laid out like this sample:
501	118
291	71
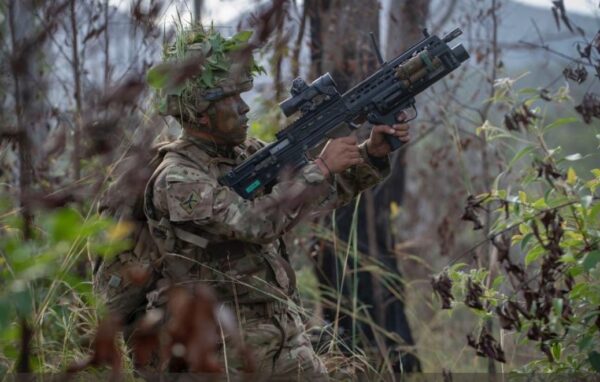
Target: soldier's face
231	120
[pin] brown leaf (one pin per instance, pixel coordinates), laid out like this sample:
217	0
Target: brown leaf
508	316
502	245
487	346
546	350
442	286
470	214
576	73
474	294
589	107
534	333
105	351
138	274
146	338
193	330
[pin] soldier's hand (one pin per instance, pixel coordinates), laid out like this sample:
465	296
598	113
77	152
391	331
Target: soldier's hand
377	146
338	155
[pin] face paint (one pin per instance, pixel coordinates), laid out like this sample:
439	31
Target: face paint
229	122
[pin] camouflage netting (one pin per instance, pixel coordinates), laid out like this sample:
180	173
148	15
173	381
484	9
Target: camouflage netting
200	67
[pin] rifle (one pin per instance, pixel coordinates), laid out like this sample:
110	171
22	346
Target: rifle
378	99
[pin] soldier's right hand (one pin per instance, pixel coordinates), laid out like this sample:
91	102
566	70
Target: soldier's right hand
338	155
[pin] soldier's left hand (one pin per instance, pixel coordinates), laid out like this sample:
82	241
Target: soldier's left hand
377	146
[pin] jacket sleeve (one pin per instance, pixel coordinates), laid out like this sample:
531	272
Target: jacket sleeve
360	177
189	195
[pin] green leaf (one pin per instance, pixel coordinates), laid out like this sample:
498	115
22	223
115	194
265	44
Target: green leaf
580	290
533	255
539	204
522	197
456	267
497	282
568	258
525	240
591	259
594	360
529	91
561	122
594	211
242	36
207	78
575	270
571	176
556	350
65	225
524	151
585	342
157	76
557	304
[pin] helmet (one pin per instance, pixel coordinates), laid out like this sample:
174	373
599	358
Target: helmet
217	67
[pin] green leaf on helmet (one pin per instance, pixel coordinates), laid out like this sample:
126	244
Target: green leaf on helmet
207	78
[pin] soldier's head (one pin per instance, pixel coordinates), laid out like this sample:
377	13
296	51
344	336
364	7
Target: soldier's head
201	80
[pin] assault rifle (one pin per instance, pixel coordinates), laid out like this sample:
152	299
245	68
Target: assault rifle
378	99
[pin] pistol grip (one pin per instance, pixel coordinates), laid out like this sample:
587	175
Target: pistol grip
389	119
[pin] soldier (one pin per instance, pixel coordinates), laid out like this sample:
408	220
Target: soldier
207	233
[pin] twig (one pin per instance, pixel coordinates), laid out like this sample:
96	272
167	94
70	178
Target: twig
550	50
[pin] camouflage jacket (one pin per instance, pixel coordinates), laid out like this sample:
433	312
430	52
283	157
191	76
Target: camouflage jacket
209	233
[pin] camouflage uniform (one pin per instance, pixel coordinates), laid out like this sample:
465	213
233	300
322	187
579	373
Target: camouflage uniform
208	233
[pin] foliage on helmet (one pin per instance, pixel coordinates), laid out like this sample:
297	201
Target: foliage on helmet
211	71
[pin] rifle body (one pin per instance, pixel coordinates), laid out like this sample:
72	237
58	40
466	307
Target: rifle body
378	99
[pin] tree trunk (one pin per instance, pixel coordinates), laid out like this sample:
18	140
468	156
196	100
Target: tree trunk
19	20
341	45
77	92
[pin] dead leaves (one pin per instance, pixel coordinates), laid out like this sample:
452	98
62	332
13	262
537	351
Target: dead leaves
185	336
577	73
474	294
519	118
474	205
487	346
442	286
589	107
105	351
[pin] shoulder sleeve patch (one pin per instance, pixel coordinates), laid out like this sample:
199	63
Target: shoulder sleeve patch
189	194
190	201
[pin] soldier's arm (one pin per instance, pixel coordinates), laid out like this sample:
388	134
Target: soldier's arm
376	164
360	177
192	195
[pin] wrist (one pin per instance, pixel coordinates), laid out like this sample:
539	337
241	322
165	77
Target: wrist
320	162
369	150
379	162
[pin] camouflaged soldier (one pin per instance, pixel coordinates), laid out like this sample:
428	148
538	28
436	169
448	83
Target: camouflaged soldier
207	233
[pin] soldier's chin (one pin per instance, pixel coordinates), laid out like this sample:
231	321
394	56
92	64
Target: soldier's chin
237	138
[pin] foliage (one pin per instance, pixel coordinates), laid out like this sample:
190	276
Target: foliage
41	286
215	57
545	228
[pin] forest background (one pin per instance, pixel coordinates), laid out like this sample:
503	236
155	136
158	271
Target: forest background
493	205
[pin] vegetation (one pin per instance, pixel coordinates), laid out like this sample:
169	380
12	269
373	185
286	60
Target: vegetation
521	288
